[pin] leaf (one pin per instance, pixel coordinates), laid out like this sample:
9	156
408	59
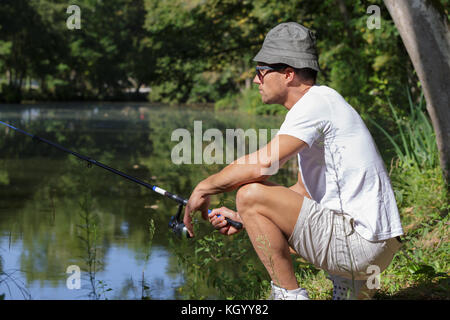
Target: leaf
425	269
200	249
409	210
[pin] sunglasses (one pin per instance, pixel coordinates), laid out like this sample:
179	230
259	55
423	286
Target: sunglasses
269	69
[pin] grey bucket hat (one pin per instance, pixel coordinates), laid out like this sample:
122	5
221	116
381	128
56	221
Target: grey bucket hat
289	43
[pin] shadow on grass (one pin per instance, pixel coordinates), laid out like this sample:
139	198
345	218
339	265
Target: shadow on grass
425	289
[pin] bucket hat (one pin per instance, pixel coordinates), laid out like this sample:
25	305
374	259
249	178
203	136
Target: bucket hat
289	43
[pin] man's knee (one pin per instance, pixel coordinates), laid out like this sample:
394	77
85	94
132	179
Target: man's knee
248	195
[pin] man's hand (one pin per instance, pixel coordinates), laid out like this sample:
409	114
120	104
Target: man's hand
221	224
196	202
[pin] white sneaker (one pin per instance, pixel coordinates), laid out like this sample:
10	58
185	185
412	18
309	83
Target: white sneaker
278	293
348	289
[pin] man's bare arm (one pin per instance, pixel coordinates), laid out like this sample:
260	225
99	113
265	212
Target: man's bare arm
257	166
254	167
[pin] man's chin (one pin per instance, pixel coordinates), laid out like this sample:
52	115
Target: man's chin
264	100
267	101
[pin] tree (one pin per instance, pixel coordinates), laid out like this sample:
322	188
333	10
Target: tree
423	27
29	46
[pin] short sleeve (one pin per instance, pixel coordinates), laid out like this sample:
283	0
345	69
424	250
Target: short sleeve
307	120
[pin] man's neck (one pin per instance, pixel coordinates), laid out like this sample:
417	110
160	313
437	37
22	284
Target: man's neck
296	94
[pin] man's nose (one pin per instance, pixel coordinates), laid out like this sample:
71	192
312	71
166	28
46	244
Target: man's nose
256	79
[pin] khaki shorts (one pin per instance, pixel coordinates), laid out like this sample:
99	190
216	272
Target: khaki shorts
328	240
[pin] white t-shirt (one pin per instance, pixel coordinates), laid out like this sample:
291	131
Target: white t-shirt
341	167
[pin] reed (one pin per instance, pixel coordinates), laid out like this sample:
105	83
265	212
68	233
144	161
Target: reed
145	286
415	144
89	237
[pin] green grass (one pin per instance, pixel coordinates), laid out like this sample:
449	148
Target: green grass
415	142
421	268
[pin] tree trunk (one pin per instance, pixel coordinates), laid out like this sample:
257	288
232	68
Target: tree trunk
424	29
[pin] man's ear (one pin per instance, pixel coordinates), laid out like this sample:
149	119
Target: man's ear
289	75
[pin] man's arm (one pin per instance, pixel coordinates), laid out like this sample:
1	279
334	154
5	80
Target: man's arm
257	166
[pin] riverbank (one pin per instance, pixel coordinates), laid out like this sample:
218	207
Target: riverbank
137	140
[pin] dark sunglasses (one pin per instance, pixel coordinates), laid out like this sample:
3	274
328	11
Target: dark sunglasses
269	69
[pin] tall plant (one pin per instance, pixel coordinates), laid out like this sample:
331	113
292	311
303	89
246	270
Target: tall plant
415	144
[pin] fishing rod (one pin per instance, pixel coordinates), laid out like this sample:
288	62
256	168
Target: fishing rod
175	223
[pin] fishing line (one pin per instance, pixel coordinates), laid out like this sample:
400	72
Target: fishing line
175	223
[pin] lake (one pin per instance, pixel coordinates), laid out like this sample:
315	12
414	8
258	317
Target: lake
73	231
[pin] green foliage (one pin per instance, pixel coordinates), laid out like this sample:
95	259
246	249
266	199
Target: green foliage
249	101
201	51
191	51
4	179
228	102
145	287
417	146
206	265
420	269
89	236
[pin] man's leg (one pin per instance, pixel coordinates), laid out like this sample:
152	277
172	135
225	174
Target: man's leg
270	213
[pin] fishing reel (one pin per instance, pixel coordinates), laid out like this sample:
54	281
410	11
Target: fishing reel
178	226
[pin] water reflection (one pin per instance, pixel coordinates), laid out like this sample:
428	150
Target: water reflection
45	194
123	273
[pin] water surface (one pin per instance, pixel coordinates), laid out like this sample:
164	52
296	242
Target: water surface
55	211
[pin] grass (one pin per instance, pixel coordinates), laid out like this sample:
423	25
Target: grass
89	238
415	144
420	269
89	235
145	287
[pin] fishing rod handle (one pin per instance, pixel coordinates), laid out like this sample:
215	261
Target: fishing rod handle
234	223
230	221
183	201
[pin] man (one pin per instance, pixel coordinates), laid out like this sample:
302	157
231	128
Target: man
341	215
